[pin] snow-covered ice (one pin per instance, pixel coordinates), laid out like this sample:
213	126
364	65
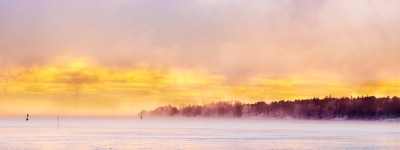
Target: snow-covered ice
197	133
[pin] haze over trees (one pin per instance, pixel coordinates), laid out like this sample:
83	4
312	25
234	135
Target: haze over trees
369	107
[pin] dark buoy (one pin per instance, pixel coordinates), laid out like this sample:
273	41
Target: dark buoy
27	117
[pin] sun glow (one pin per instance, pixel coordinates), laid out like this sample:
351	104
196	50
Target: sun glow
78	64
83	88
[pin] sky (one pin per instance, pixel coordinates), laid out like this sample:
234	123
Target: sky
116	58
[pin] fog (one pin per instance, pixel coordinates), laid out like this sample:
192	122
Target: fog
356	40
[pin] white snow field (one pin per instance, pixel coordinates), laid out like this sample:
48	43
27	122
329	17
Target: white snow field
196	133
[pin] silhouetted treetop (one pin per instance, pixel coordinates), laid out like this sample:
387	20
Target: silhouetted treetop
369	107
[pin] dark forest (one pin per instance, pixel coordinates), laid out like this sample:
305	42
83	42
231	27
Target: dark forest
365	108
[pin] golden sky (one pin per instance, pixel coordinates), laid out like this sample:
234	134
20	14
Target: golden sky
115	58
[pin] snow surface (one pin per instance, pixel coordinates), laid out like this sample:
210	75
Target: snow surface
197	133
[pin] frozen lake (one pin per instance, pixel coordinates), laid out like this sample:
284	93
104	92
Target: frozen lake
196	133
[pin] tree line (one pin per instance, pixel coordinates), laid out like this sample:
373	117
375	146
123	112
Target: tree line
369	107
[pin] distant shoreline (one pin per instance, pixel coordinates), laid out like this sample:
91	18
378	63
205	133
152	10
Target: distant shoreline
329	108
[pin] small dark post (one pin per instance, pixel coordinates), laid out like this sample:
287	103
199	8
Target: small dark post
27	117
141	116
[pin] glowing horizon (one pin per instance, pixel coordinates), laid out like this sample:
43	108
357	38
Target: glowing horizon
82	88
116	58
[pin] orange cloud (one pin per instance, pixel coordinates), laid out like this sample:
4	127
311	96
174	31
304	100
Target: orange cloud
79	88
